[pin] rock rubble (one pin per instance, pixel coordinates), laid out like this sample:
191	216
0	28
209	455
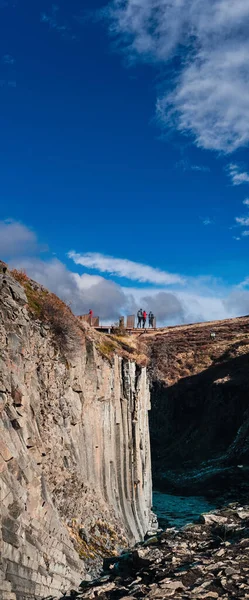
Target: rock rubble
203	561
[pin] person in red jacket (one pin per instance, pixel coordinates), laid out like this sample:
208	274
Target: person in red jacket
144	318
90	315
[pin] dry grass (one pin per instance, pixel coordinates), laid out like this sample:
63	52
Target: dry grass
107	348
67	329
49	309
185	351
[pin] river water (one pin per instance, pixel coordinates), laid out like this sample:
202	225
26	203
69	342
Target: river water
177	511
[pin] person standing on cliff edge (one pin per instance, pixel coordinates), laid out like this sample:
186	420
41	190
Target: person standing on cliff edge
151	319
139	317
144	318
90	316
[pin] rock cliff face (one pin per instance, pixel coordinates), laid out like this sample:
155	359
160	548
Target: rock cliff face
75	472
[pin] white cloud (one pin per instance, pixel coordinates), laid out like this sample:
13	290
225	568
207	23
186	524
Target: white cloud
245	233
207	221
104	297
244	283
242	221
185	165
237	303
236	238
209	96
246	201
201	299
201	302
121	267
85	281
165	305
16	238
237	175
200	168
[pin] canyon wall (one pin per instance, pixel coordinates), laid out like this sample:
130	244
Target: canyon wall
199	420
75	472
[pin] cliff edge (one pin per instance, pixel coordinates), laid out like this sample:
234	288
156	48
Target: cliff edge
75	470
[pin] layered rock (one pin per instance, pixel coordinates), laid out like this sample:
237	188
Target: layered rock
75	473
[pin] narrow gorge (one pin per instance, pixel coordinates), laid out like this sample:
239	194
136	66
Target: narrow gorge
199	421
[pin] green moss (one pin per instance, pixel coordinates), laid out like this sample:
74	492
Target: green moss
103	540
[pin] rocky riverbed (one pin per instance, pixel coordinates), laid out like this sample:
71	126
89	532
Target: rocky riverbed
207	560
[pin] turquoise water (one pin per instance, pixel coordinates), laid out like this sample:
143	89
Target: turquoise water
177	511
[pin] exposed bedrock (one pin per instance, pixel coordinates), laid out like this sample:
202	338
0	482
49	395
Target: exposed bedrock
75	469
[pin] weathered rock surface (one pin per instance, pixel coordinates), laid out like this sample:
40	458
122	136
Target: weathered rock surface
75	473
203	561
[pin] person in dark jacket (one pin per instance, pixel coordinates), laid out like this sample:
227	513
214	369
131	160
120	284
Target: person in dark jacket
151	319
139	317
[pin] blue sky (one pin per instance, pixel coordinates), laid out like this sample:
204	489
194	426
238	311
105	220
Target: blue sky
124	138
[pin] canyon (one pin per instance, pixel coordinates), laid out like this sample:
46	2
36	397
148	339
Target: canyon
199	421
82	413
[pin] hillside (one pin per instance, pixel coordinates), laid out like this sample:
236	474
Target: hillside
183	351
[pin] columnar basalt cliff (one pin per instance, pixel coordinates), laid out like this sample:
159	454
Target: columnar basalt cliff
75	471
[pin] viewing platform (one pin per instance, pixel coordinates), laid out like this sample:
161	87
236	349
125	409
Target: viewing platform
128	326
135	330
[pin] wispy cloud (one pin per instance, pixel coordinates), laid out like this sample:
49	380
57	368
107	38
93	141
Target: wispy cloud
244	283
209	96
236	238
200	168
244	221
7	59
207	221
121	267
238	176
7	71
185	165
52	18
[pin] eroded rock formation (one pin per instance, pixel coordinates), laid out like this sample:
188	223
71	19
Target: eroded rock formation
75	472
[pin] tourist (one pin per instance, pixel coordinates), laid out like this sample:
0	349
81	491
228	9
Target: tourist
151	319
139	317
